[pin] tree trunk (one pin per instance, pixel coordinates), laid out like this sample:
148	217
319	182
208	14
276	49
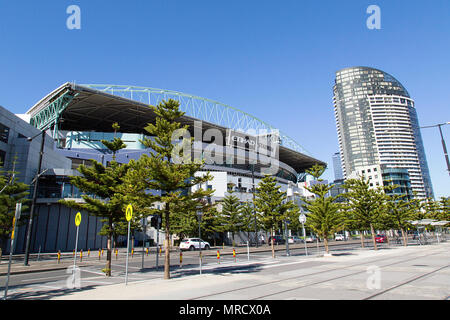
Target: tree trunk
325	243
373	237
273	248
362	239
405	237
167	245
108	250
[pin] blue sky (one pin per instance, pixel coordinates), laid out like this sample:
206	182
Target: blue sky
273	59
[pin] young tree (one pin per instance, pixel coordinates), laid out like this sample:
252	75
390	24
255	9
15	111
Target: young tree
169	169
398	212
366	203
325	217
231	214
11	192
102	196
248	218
269	201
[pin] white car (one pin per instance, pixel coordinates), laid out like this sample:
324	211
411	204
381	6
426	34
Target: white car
194	244
339	237
294	239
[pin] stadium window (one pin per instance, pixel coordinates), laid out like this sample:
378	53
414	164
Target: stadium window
4	133
2	157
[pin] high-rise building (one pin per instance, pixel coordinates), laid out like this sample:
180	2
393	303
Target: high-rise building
337	166
377	124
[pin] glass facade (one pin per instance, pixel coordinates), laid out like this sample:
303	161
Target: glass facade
377	124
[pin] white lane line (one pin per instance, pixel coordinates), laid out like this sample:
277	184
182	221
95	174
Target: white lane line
46	278
95	272
97	282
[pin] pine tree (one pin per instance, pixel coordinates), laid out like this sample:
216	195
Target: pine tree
104	195
269	202
12	191
367	204
231	214
325	216
169	169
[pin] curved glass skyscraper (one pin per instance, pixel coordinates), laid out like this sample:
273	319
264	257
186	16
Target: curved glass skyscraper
377	124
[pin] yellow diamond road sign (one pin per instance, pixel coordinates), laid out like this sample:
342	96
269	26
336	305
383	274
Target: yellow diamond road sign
78	219
129	212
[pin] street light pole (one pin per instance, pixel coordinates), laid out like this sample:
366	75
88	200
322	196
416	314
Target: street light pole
33	203
199	216
444	147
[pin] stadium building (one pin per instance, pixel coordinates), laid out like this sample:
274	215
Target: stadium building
238	150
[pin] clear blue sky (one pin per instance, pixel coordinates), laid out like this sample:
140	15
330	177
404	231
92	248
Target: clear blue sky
273	59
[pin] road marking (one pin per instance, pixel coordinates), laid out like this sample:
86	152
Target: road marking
97	282
46	278
51	287
95	272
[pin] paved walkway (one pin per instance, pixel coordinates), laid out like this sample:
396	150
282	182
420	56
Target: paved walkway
414	272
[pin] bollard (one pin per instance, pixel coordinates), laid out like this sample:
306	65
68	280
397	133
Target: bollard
218	257
146	251
234	255
132	252
117	251
73	253
160	251
102	252
181	259
89	253
81	255
59	255
99	254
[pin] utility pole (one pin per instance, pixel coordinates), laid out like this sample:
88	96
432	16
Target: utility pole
33	203
444	147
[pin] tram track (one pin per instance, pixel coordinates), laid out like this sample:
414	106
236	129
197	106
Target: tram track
315	282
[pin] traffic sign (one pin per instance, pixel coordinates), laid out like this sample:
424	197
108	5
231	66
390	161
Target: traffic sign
78	219
129	212
302	218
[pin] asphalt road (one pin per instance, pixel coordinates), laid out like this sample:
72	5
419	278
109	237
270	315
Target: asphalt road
45	284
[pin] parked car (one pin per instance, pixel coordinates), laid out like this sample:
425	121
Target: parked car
312	239
276	240
380	238
194	244
295	239
339	237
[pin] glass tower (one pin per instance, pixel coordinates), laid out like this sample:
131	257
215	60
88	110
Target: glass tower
377	123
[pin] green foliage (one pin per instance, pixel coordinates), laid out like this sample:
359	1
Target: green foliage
365	204
270	204
12	192
105	194
231	214
325	216
169	170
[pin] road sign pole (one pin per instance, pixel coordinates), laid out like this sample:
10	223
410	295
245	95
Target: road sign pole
75	257
302	220
11	246
128	215
128	248
77	224
304	239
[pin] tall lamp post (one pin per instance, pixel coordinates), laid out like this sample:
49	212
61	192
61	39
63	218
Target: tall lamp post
33	201
199	217
442	141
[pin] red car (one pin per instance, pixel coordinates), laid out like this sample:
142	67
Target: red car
380	238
